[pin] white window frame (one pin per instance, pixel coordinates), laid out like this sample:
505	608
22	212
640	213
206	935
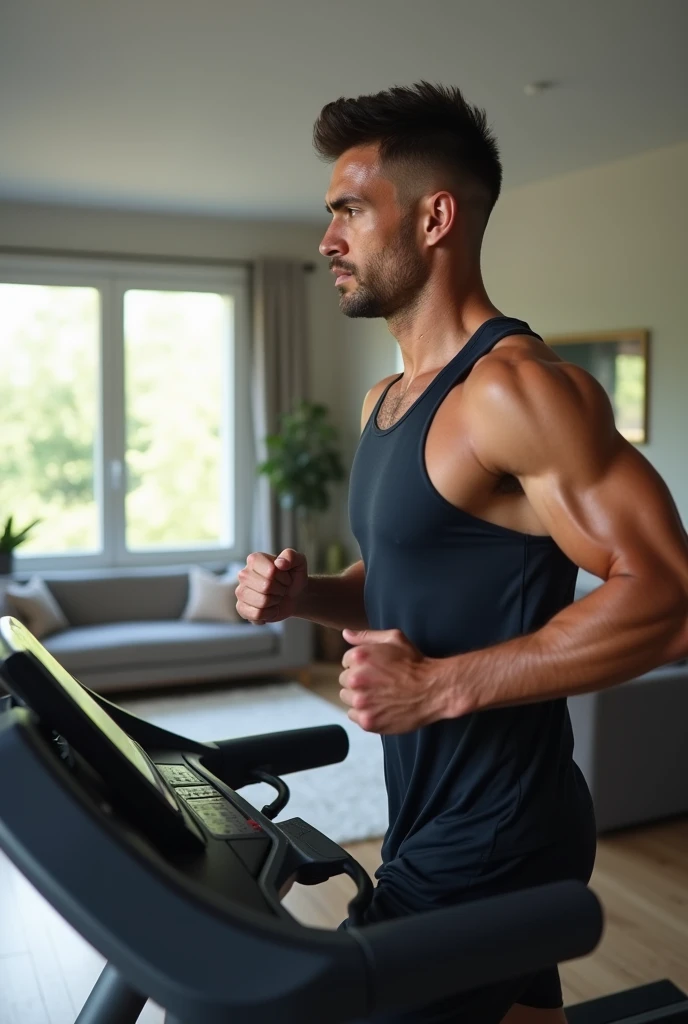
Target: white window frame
113	278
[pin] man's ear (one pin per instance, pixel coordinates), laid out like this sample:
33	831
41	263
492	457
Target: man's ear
439	216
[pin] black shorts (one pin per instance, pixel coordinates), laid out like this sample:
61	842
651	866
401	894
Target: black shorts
489	1005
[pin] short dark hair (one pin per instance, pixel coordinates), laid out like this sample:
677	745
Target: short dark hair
425	124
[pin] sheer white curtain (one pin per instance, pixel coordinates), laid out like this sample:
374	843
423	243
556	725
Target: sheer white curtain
279	380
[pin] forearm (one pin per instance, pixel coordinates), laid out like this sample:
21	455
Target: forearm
335	601
624	628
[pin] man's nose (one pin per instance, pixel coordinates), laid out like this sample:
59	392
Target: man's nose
332	244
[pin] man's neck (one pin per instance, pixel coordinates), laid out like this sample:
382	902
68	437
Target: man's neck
431	333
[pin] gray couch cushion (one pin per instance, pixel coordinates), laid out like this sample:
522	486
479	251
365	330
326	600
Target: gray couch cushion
157	643
120	598
91	596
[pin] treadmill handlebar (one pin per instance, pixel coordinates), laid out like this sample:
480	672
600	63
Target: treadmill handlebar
425	957
235	761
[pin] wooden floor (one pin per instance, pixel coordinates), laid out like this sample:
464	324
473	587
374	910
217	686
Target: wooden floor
47	970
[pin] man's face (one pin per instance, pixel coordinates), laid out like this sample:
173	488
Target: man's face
371	243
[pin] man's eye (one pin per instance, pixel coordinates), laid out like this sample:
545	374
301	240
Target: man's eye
350	210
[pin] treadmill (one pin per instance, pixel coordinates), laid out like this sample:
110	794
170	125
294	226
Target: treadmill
142	841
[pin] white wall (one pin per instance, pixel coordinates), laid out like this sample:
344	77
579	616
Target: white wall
606	248
593	250
74	228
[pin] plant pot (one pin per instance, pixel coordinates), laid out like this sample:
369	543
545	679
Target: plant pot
6	563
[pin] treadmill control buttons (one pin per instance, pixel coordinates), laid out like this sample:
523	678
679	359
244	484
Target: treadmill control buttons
196	792
177	775
220	818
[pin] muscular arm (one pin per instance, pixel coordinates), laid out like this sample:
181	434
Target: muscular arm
335	601
551	425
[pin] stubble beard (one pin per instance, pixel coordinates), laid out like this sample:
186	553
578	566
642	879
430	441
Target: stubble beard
394	278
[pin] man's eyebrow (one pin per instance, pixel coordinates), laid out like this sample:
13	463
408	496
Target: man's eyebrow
347	200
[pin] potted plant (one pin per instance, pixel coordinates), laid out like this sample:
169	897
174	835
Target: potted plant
9	540
303	460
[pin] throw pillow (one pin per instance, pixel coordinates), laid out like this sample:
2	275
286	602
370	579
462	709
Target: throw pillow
211	597
34	605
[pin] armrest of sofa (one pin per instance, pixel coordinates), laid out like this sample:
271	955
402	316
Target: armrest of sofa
630	746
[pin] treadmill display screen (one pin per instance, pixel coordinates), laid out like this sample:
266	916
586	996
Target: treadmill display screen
20	639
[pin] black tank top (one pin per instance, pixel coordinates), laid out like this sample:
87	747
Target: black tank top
494	784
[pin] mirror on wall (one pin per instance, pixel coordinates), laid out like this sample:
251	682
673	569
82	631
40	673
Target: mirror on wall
619	361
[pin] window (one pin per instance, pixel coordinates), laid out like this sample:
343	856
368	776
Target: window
124	413
49	351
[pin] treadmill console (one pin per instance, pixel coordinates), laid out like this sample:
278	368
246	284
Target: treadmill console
156	790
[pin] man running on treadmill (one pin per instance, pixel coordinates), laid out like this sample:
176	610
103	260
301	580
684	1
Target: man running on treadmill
486	474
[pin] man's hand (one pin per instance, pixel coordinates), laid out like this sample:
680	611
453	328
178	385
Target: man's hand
388	684
269	585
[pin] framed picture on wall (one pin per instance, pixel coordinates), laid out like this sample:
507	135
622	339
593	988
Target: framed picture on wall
619	360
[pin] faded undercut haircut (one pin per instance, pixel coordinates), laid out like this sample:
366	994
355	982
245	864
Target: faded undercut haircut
420	128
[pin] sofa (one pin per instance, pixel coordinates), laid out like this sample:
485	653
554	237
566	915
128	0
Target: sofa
631	743
125	632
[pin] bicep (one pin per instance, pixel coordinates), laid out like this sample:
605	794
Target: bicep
612	515
552	426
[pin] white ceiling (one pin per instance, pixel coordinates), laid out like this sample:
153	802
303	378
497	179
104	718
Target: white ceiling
207	105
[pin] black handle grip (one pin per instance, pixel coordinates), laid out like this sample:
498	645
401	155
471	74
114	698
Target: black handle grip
278	753
281	800
315	858
426	957
364	890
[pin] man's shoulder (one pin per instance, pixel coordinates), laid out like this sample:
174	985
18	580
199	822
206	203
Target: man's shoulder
522	397
371	398
516	350
526	367
377	389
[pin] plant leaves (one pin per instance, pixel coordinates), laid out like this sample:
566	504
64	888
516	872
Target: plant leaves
10	540
303	458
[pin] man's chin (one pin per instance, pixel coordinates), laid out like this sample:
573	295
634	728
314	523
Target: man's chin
355	306
357	314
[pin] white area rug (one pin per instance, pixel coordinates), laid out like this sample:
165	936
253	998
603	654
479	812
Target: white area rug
346	801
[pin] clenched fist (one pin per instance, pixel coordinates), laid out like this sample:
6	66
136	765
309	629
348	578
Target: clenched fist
269	585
